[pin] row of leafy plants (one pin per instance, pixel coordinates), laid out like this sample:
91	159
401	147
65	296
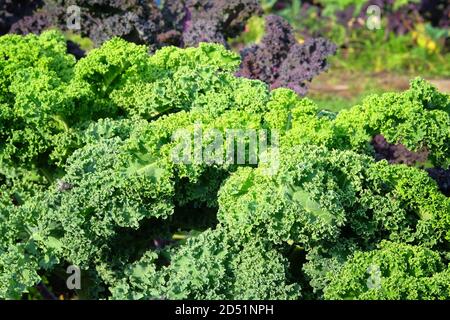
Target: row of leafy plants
358	207
88	179
413	35
278	59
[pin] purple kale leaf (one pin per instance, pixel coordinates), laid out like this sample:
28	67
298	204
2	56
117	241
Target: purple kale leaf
281	61
12	11
35	23
397	153
208	20
442	178
133	20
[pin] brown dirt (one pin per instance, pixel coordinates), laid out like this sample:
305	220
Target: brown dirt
347	84
442	84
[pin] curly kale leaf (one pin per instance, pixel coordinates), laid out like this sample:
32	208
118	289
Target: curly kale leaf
321	195
418	118
12	11
210	266
394	271
34	76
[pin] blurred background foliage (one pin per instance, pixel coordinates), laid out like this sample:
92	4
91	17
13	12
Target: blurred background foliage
413	39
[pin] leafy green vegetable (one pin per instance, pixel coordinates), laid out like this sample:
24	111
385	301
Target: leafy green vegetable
90	176
394	271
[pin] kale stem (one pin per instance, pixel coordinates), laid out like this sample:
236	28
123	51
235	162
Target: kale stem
45	292
47	175
60	120
179	236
